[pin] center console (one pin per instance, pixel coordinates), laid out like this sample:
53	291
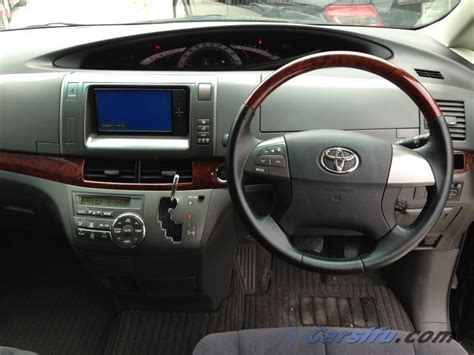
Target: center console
146	223
148	212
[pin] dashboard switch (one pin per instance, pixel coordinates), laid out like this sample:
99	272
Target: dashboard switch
204	92
204	121
72	91
204	128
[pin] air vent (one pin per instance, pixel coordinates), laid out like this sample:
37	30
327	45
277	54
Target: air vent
124	171
138	171
162	171
433	74
455	115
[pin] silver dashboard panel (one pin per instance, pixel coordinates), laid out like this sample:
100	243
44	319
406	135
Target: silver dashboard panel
82	139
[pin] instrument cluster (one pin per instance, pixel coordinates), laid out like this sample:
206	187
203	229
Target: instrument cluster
221	49
212	51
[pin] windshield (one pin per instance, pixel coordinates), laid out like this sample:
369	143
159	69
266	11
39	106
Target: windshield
17	14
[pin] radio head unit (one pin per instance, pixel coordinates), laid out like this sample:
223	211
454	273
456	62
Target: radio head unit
145	115
140	111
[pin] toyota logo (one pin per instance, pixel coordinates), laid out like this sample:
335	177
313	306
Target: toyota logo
338	160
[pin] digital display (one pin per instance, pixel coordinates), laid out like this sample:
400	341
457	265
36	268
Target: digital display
134	111
104	201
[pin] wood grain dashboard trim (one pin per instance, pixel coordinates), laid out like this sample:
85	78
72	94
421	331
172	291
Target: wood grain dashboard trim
70	171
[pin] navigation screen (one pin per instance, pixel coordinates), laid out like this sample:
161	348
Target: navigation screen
144	111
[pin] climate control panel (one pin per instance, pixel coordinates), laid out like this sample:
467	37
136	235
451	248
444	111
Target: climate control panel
142	222
112	219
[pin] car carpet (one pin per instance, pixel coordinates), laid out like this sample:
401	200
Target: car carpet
293	297
57	310
49	305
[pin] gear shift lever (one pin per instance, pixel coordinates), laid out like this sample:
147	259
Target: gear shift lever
173	230
173	200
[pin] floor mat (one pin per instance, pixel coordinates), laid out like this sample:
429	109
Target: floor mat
49	306
154	332
293	297
301	298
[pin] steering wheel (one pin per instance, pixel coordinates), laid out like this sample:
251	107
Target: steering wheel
340	179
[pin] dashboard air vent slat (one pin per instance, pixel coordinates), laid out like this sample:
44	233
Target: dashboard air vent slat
455	115
432	74
111	170
160	171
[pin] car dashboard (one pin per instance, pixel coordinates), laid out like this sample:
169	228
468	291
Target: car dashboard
65	138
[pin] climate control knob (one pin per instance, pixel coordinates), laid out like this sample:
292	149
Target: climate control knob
128	230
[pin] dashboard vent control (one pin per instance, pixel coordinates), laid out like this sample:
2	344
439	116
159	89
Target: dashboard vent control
163	171
455	115
111	170
221	173
432	74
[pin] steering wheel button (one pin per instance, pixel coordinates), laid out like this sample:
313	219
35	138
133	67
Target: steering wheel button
260	170
263	160
278	161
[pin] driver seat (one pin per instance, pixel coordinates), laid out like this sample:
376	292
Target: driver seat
308	340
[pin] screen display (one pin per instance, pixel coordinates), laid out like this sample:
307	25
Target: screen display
134	111
105	201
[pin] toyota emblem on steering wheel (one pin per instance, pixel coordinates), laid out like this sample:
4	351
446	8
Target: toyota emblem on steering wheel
338	160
